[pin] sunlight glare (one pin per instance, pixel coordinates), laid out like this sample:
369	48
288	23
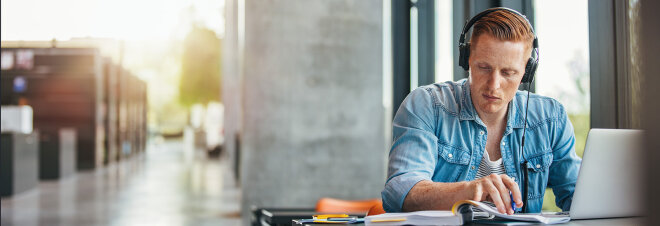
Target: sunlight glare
117	19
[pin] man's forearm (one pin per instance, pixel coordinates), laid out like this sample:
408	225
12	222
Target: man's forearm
428	195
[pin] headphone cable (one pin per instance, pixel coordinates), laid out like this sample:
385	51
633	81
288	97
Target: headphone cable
522	152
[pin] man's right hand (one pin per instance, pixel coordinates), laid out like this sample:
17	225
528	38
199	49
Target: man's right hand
496	188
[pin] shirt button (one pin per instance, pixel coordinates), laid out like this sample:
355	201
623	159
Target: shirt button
472	167
538	166
503	143
514	179
481	132
450	155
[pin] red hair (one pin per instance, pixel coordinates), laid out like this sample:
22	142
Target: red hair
505	26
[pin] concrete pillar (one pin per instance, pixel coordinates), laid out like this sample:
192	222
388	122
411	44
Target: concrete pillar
312	109
231	84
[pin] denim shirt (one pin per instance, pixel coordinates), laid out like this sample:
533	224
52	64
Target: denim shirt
438	136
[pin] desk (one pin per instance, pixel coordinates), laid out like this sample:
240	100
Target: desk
598	222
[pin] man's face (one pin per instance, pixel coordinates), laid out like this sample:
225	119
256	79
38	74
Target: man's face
496	69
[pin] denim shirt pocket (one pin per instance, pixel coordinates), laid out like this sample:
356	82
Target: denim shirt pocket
538	169
452	162
540	163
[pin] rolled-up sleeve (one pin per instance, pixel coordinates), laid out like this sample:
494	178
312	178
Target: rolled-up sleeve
413	155
566	164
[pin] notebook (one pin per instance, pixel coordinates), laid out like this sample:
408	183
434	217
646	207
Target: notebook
430	217
462	212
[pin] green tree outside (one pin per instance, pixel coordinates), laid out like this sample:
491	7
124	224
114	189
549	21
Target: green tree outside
200	68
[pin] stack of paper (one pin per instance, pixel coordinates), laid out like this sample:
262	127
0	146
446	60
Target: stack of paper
415	218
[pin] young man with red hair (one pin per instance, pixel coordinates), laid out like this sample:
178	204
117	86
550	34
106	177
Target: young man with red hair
462	140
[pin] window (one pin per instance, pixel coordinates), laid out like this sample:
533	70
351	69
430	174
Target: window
444	62
563	71
635	62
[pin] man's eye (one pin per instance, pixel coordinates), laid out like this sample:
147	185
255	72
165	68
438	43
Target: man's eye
484	68
508	73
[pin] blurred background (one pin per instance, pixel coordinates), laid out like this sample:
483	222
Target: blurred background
201	112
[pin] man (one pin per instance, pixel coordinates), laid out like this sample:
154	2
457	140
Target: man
462	140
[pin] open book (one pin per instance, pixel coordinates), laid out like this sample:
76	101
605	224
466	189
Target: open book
462	212
478	210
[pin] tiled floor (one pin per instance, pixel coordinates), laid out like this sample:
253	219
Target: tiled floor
167	185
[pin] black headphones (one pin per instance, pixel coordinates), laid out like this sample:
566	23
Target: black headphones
464	48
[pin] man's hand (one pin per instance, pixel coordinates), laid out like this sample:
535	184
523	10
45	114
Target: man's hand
496	188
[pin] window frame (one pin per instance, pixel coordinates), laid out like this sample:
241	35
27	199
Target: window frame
609	54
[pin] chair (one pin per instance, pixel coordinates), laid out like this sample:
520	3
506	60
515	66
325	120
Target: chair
330	205
377	209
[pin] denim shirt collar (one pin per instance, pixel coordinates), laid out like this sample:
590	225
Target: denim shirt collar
515	114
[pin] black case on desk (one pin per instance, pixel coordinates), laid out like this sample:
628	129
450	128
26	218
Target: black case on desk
278	215
284	216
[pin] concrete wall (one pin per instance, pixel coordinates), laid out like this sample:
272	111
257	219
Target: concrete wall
231	82
311	101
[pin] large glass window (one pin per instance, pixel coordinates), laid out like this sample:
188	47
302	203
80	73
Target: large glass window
563	71
444	61
635	64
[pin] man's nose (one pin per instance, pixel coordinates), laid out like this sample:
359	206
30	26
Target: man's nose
494	80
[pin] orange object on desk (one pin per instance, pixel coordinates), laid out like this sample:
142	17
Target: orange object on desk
330	205
377	209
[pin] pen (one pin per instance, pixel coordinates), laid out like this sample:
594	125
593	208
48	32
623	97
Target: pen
342	218
326	216
513	204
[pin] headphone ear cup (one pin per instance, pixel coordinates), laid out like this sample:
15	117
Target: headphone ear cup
530	70
464	57
533	72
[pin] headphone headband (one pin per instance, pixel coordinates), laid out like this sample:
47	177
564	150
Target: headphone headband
477	17
464	48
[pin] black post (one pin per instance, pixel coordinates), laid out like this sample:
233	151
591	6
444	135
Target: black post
649	33
602	64
400	52
426	40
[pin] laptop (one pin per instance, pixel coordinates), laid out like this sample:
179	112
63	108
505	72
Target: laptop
609	181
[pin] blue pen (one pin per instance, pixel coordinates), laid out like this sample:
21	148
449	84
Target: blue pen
513	204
